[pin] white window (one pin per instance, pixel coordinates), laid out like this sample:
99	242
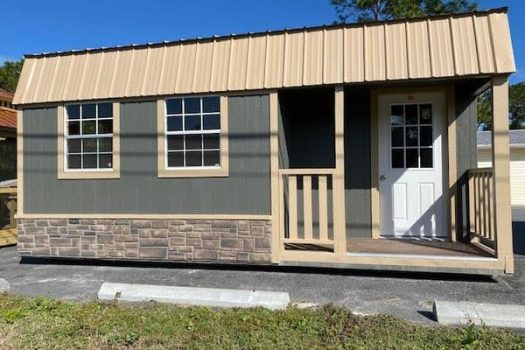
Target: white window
89	136
193	132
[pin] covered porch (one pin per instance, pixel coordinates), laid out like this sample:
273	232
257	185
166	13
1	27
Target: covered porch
336	151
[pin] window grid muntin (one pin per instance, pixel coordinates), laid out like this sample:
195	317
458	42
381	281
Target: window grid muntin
185	133
404	126
81	136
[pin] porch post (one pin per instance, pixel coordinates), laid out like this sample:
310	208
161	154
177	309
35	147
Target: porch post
501	158
338	185
452	161
277	245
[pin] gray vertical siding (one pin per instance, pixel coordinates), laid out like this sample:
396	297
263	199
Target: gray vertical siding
245	191
466	122
308	127
357	162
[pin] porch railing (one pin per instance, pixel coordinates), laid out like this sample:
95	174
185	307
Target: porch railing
482	226
307	214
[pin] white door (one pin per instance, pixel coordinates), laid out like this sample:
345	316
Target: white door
411	157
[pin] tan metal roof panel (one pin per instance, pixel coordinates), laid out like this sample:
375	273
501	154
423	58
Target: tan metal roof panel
170	65
153	71
186	69
313	58
418	50
74	78
354	65
91	74
333	62
25	80
34	77
203	60
50	77
396	51
273	72
483	44
122	70
375	67
464	44
137	72
256	62
238	64
57	88
503	53
441	53
107	73
221	65
423	48
293	59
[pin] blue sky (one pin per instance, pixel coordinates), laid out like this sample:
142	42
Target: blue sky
51	25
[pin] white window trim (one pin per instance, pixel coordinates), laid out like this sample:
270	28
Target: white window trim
64	172
194	171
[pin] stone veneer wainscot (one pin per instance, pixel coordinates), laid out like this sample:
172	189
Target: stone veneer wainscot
225	241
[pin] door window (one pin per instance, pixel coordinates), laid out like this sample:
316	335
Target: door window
411	136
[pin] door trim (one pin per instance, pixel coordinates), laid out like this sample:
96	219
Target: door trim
448	145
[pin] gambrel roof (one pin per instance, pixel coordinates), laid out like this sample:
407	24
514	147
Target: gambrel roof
476	43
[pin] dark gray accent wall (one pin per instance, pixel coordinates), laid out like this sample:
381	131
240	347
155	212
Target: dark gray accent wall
466	125
307	117
357	162
245	191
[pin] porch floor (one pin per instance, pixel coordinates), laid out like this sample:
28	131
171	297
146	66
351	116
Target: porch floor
413	246
400	246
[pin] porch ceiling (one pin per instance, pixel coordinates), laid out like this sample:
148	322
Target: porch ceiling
469	44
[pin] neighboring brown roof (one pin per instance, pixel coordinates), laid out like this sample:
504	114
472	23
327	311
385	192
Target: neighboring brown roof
6	95
7	118
467	44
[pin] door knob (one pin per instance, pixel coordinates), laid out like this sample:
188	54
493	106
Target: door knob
382	177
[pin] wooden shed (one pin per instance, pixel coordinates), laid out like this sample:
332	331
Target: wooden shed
347	146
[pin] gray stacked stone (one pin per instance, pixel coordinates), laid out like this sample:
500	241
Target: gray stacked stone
225	241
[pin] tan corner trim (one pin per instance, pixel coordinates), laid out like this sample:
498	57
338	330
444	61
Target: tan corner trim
501	169
274	170
147	216
88	174
162	170
452	161
374	163
339	177
20	162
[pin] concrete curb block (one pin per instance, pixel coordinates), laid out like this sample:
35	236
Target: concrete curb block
193	296
4	285
494	315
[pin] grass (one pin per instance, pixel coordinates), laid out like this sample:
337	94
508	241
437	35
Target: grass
40	323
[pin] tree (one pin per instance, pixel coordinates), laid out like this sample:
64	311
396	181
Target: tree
485	109
9	74
517	102
516	106
380	10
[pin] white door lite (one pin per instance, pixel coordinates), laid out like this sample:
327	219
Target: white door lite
411	158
